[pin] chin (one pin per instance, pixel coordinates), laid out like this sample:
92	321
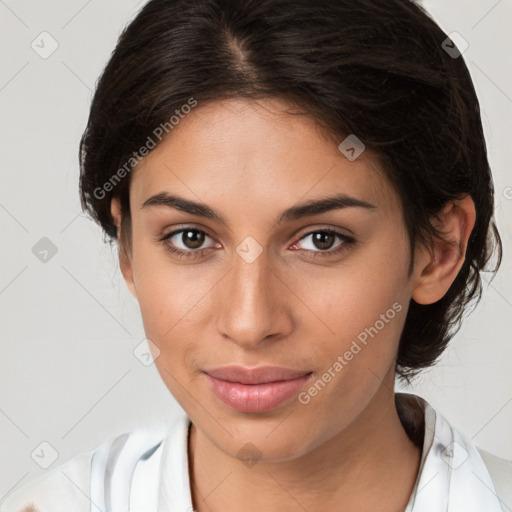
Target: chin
251	442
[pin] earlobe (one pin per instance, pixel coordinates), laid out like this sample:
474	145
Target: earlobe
437	267
125	263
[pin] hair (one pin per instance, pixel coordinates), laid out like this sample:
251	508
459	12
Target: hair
374	68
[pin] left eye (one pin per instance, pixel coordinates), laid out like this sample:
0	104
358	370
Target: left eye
324	239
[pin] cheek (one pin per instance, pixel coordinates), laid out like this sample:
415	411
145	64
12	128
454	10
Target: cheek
170	302
163	292
364	311
362	325
353	297
362	307
177	307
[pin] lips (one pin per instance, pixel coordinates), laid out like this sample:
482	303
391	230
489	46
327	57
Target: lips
255	389
260	375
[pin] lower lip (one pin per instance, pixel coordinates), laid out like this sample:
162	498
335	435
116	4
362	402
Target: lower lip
256	397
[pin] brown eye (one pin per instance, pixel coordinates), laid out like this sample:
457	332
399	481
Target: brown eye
323	240
321	243
192	238
186	243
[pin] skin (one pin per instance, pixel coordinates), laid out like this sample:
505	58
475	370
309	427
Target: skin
249	161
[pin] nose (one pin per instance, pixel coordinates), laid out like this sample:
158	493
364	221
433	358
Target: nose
253	304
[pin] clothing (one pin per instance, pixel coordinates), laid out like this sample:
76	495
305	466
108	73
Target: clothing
146	470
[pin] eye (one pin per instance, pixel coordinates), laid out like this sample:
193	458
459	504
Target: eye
190	239
323	240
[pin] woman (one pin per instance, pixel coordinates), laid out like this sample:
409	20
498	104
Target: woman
302	204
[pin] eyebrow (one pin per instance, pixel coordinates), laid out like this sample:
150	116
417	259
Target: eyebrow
296	212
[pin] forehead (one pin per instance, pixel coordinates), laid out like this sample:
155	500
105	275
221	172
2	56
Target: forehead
245	150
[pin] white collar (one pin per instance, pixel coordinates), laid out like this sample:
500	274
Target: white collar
452	475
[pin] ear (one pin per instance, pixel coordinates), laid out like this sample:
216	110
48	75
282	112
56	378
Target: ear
125	262
437	267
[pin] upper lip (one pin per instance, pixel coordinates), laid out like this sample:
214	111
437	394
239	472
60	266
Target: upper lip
259	375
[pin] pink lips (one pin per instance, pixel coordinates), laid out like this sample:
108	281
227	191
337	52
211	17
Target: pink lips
257	389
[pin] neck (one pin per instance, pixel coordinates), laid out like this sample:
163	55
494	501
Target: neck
359	467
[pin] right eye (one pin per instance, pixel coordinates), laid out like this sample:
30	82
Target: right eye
190	239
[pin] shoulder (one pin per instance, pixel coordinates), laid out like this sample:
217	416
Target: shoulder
69	486
58	490
501	475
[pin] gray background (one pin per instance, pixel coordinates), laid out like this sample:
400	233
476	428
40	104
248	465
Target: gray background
68	374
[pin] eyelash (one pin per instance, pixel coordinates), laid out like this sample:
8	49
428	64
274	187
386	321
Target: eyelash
347	241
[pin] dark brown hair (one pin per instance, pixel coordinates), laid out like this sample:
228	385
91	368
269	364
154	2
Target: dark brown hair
375	68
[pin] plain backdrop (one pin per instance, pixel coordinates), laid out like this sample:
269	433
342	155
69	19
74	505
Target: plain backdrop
69	376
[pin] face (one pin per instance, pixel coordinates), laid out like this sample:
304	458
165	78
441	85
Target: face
321	292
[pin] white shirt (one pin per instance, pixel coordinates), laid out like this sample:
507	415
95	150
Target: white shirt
146	470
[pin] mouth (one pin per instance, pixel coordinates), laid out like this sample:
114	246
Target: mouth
258	389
